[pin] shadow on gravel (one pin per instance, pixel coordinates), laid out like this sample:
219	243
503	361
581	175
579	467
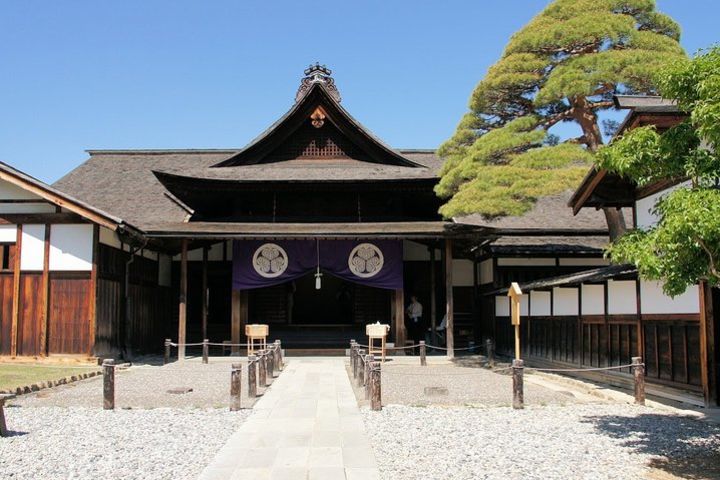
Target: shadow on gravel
687	447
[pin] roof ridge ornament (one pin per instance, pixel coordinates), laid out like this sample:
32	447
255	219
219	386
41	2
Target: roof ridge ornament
317	74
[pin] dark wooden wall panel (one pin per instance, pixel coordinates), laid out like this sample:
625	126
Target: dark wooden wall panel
6	300
30	314
107	334
69	318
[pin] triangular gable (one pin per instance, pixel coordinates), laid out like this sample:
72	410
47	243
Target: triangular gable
317	127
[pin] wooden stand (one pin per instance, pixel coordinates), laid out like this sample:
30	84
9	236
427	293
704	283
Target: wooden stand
375	332
256	332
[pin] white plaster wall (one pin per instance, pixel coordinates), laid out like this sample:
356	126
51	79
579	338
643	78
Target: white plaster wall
653	300
565	301
486	271
9	191
502	306
525	262
413	251
110	238
33	247
149	254
590	262
644	206
8	233
71	247
462	273
229	249
593	299
622	297
540	304
215	254
164	270
27	208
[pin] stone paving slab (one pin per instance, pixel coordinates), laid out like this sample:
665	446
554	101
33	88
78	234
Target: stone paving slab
307	426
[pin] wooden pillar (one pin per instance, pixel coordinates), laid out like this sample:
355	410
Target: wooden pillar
433	297
45	295
204	292
93	290
238	318
16	293
450	334
475	308
182	316
707	345
399	318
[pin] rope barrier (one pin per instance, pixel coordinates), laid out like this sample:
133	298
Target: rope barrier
592	369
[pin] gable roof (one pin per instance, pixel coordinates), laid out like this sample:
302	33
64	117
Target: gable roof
374	149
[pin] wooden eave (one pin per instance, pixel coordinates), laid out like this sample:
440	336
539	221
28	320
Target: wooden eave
317	96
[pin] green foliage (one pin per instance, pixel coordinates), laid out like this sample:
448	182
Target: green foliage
683	248
564	66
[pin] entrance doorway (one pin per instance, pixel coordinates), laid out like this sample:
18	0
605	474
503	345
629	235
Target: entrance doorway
332	304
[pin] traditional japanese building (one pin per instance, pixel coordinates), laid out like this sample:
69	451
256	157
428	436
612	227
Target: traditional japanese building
316	228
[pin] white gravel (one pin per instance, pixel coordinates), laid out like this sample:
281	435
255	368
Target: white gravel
555	442
82	443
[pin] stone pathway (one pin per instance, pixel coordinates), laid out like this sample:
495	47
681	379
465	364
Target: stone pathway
307	426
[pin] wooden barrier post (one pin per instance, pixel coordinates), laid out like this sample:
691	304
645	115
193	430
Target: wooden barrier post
280	352
206	347
489	353
376	386
235	380
423	359
108	367
369	360
3	426
270	363
278	356
252	376
517	375
638	370
361	368
166	360
352	356
262	369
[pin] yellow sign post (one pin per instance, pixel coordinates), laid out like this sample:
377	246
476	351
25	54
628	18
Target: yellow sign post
515	295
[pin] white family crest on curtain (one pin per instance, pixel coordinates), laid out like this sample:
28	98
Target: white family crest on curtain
365	260
270	260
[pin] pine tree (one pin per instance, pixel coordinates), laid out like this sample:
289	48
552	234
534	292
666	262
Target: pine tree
563	66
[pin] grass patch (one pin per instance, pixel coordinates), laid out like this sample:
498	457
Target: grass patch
13	375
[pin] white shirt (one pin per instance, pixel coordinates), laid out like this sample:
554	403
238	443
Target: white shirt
414	310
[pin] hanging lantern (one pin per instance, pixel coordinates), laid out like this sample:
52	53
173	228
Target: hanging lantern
318	275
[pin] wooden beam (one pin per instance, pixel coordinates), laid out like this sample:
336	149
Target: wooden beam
399	318
45	295
92	314
182	311
27	218
449	307
204	292
16	294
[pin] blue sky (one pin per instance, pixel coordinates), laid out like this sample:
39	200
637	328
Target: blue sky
86	74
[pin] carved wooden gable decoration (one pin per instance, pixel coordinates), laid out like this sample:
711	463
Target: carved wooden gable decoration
317	128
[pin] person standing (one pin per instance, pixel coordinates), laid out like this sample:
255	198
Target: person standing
414	312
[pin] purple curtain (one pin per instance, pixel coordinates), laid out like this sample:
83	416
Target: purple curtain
262	263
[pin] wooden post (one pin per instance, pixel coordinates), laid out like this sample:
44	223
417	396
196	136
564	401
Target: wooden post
369	360
3	426
235	321
235	380
16	293
45	295
376	386
361	368
515	295
517	376
252	376
433	297
707	326
182	316
489	353
262	369
399	317
93	295
281	365
352	356
270	363
638	370
423	360
108	384
449	307
205	347
204	299
166	359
